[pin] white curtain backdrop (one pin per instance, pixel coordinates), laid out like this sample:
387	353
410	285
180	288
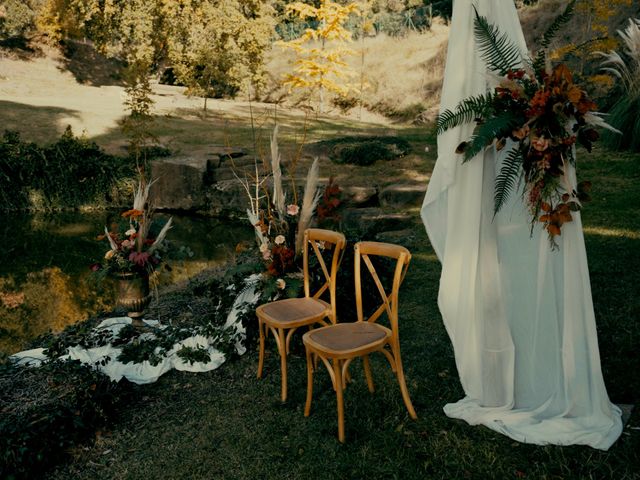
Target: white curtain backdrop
519	315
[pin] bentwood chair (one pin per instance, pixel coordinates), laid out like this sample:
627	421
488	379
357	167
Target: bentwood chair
285	316
337	345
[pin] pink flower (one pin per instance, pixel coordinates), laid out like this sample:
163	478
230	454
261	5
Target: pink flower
293	209
540	143
280	240
266	254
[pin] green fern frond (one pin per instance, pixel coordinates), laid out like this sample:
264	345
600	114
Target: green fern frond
508	178
496	49
466	111
493	127
548	36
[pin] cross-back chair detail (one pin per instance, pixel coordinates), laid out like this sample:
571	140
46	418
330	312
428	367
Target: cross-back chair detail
339	344
283	317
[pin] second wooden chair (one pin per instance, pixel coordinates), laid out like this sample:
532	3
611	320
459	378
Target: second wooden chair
337	345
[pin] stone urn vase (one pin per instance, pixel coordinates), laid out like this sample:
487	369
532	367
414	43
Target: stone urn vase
133	294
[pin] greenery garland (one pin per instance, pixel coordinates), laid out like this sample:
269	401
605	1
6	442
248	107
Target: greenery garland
539	114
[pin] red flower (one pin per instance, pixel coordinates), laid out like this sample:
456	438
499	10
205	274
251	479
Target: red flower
139	258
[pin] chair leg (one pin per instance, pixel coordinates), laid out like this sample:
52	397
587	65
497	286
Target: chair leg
337	371
367	373
282	347
307	406
403	386
261	353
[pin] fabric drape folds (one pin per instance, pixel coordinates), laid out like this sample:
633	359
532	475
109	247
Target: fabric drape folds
519	315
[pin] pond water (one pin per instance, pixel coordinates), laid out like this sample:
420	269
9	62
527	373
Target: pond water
45	281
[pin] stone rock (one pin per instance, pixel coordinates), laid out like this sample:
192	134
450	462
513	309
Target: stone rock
360	196
224	152
179	183
402	195
405	238
227	198
370	221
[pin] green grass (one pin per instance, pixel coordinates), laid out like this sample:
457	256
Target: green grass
227	424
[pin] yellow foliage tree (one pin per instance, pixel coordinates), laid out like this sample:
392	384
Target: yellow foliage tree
593	17
320	65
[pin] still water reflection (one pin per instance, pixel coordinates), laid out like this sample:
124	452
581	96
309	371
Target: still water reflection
45	282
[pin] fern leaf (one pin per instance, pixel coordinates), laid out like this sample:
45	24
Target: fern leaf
494	127
548	36
466	111
507	179
497	49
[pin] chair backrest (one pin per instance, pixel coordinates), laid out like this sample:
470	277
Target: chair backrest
319	240
389	304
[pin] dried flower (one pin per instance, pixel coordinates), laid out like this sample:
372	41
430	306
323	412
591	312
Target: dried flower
133	246
293	209
280	283
280	240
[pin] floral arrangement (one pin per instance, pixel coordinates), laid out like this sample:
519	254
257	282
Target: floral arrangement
539	114
280	221
134	247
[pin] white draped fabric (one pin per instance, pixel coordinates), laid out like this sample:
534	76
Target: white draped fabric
520	315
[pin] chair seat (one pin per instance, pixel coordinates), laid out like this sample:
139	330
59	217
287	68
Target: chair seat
343	339
293	312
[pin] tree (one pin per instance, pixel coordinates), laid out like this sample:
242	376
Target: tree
216	47
215	44
320	65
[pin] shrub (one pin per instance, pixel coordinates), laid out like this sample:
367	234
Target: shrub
46	410
623	115
366	150
70	173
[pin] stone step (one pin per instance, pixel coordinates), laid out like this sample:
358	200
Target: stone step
359	196
371	221
402	195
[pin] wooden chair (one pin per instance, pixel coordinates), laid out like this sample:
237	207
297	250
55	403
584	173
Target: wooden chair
292	313
342	342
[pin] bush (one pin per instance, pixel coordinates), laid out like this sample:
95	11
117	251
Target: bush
70	173
48	409
624	112
366	150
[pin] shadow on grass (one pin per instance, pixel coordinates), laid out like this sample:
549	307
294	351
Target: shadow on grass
41	124
89	66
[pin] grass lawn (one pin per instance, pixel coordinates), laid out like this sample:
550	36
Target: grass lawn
227	424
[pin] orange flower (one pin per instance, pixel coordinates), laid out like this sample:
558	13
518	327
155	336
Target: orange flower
574	94
540	143
562	74
521	132
133	213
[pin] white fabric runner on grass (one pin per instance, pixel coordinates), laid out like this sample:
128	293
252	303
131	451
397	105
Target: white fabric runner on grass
145	372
